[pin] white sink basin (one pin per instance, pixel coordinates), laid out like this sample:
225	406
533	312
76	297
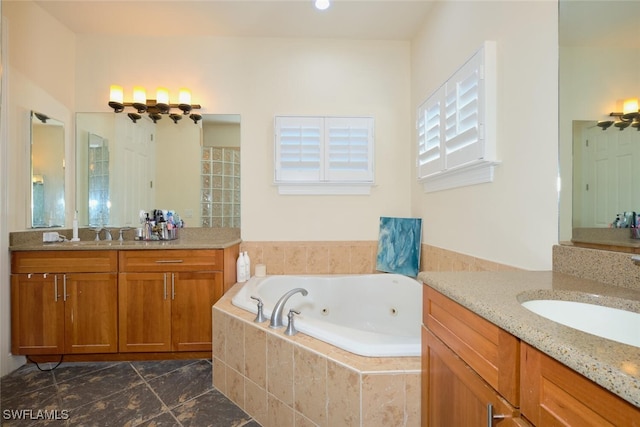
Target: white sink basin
606	322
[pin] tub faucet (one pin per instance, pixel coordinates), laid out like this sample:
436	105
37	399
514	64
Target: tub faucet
276	316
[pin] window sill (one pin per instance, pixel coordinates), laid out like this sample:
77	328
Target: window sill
314	189
478	172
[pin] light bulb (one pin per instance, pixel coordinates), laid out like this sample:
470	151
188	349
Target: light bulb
322	4
630	106
184	96
162	96
139	95
116	94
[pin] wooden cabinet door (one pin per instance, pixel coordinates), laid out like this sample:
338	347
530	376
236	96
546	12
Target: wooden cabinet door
454	395
37	314
91	312
555	395
144	312
193	295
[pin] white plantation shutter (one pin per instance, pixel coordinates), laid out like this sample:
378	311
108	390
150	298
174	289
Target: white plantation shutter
464	115
322	155
350	145
456	126
430	155
299	150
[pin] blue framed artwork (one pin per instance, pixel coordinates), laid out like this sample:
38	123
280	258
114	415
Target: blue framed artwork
399	245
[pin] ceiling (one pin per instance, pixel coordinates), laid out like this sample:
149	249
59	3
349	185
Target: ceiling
600	23
345	19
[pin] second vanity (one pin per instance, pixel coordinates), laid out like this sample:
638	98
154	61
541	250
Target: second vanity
486	357
113	300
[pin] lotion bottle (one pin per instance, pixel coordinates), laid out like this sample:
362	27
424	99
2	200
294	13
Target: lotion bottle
247	264
241	269
75	237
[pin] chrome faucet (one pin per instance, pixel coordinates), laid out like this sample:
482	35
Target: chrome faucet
276	316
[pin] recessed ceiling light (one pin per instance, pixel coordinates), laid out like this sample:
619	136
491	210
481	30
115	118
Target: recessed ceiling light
322	4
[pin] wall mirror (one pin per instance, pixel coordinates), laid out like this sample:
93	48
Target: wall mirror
123	168
599	59
47	171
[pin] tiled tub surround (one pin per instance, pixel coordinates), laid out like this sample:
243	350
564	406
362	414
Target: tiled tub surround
497	297
300	381
351	257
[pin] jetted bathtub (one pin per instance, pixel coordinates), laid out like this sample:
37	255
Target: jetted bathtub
375	315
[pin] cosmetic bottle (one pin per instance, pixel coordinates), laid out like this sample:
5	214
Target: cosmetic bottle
75	237
241	269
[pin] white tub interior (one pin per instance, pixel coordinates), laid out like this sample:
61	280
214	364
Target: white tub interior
376	315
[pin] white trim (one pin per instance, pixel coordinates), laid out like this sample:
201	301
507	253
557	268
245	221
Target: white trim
478	172
327	189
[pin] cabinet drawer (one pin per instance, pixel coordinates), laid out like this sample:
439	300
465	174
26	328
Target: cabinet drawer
171	260
553	394
492	352
64	262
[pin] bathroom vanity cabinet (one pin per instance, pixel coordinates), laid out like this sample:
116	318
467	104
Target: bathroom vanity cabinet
64	302
475	373
469	367
117	304
165	299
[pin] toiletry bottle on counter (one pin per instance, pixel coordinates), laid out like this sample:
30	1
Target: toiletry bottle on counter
241	269
75	237
247	265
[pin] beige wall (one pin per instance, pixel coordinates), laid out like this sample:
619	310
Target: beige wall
258	79
39	67
40	73
513	220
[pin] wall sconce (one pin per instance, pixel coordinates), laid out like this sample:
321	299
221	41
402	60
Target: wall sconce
155	108
629	117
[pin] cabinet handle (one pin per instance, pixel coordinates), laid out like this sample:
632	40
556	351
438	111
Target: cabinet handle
169	261
55	288
173	286
165	285
491	417
64	286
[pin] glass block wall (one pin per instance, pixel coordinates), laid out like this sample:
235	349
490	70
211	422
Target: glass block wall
220	187
99	206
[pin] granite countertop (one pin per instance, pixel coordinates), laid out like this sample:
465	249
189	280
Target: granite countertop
188	238
496	296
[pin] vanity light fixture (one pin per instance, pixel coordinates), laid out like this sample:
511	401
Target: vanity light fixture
155	108
629	117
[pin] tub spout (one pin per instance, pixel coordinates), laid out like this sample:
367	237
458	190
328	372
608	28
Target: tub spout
276	316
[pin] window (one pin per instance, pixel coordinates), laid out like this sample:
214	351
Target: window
456	126
323	155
